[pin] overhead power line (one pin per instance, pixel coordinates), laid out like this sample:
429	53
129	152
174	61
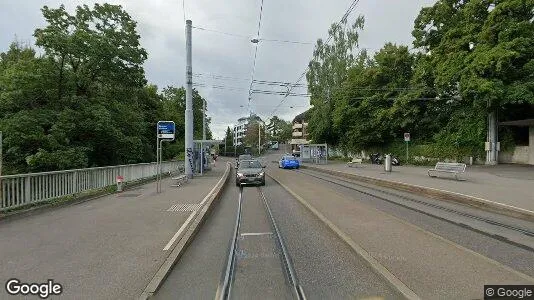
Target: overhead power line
248	38
183	8
343	19
255	56
222	32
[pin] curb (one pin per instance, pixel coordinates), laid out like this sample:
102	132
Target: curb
186	237
382	271
438	194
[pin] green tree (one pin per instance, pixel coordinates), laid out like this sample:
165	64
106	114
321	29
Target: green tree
280	130
327	70
98	47
481	57
252	136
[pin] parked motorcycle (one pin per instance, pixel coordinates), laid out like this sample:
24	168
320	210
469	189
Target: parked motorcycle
376	158
395	161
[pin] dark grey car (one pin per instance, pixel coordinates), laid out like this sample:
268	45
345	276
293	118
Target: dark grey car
242	157
250	172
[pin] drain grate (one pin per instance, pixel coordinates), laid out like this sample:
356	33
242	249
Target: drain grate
185	207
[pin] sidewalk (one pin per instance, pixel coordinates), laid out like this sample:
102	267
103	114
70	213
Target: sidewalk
106	248
511	185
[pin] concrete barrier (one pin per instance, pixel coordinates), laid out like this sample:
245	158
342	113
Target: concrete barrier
187	236
438	194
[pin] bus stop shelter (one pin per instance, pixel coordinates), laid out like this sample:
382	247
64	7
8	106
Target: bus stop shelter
314	153
201	147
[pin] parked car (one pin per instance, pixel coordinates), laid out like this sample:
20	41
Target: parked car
289	162
242	157
250	172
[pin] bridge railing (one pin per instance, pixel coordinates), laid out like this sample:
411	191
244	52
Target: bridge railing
22	189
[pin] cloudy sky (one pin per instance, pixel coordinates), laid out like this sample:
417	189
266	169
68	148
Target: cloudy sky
161	26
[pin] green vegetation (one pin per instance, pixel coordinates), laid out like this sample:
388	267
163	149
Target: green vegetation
281	129
85	102
472	58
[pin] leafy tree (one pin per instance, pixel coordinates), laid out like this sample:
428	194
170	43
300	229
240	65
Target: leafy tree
327	70
252	136
85	101
280	130
98	47
481	56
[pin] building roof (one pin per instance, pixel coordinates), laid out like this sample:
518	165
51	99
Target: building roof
526	122
301	117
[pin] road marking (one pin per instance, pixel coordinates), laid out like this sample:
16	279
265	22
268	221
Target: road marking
185	207
184	226
255	233
191	216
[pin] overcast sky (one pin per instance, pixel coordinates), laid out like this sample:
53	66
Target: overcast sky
161	26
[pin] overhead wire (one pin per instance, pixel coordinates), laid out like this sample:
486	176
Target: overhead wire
255	56
343	19
183	9
221	32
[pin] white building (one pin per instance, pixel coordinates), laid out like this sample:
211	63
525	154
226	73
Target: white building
240	129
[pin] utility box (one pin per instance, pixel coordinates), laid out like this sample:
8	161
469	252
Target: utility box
120	181
387	163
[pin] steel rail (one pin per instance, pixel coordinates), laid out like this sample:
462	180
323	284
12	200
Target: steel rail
286	259
225	288
436	206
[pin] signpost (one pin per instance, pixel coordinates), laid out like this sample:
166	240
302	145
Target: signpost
165	132
407	140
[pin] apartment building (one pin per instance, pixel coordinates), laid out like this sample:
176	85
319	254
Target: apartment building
300	131
240	129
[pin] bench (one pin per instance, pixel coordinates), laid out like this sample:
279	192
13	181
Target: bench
354	161
451	168
180	180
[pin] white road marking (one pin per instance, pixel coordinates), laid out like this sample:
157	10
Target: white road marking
190	218
256	233
177	234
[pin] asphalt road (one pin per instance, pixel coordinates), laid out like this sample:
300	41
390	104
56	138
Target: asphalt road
434	258
107	248
325	266
198	272
509	247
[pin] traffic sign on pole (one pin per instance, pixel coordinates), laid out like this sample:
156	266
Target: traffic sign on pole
166	130
407	140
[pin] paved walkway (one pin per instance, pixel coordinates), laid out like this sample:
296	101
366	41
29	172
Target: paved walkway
507	184
106	248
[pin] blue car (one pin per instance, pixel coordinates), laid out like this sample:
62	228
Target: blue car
289	162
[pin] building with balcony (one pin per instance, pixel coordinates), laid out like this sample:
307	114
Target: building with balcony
240	129
300	131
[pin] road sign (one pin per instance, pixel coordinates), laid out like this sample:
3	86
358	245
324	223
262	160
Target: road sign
406	136
166	130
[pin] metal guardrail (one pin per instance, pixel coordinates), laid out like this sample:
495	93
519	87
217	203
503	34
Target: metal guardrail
23	189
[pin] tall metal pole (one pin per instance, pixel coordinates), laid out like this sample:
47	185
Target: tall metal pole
1	160
157	162
188	102
259	138
203	137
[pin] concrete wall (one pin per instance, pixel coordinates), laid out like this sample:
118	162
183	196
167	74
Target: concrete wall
519	155
531	145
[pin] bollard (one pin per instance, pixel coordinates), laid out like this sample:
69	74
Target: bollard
119	183
387	163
